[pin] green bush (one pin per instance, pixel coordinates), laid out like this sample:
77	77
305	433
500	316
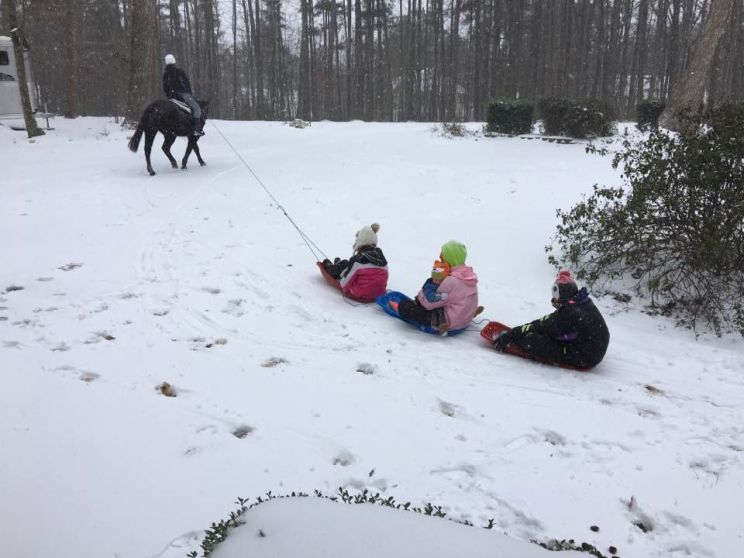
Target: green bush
552	111
676	229
586	118
648	113
589	119
509	116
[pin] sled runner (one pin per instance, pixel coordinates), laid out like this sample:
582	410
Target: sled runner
333	282
396	298
492	331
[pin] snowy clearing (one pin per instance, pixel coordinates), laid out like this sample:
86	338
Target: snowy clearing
114	282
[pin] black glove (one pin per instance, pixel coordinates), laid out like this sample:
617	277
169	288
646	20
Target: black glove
502	341
326	262
336	260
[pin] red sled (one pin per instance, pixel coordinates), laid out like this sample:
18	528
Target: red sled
333	282
494	329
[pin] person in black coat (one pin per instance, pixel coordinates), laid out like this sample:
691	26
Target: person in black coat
574	335
176	85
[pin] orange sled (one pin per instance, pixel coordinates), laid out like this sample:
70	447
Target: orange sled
492	331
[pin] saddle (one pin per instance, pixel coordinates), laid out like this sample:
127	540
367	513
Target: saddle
183	106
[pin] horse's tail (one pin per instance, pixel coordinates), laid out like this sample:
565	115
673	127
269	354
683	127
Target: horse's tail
135	141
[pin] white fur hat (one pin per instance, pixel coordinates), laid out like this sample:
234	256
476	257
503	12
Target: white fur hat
169	59
366	236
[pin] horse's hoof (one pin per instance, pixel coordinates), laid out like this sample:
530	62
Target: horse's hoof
174	165
203	164
183	167
152	172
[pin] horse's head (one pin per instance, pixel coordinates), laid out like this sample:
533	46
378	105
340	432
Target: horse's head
205	108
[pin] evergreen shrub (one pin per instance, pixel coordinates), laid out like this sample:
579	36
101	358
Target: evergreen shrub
586	118
589	118
648	113
509	116
552	111
675	230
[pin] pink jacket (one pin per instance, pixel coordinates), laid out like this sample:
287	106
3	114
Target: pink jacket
365	281
461	298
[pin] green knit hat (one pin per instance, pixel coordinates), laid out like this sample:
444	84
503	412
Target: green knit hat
454	253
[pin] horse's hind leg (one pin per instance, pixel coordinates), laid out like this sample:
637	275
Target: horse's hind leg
169	139
196	150
149	139
189	148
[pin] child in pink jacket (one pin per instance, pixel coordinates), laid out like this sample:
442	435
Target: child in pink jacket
449	299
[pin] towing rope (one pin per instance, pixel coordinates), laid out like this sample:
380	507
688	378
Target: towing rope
308	241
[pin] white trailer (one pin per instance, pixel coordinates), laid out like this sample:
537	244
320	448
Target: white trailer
10	94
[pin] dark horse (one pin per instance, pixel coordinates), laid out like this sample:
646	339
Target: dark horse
171	121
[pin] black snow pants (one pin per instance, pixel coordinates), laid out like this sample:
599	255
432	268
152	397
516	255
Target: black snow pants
542	347
412	310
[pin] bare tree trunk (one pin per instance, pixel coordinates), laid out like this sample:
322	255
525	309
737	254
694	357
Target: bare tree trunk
16	32
141	58
71	61
304	85
249	38
235	59
258	53
688	94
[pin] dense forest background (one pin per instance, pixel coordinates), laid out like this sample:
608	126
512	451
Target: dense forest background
429	60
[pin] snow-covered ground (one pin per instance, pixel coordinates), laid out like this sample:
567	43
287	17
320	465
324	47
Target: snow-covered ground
194	278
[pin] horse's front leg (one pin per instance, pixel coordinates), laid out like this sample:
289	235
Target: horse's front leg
196	150
189	148
149	139
169	139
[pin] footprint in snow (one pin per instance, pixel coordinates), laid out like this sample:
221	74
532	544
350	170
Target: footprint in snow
13	288
99	336
366	368
447	409
647	412
70	266
235	307
12	344
88	377
553	438
344	458
242	431
212	290
274	361
637	516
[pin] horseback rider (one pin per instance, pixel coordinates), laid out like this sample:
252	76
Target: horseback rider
176	85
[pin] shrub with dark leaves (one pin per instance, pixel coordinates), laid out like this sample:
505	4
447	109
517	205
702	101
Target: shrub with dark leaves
676	228
552	111
509	116
587	118
648	113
